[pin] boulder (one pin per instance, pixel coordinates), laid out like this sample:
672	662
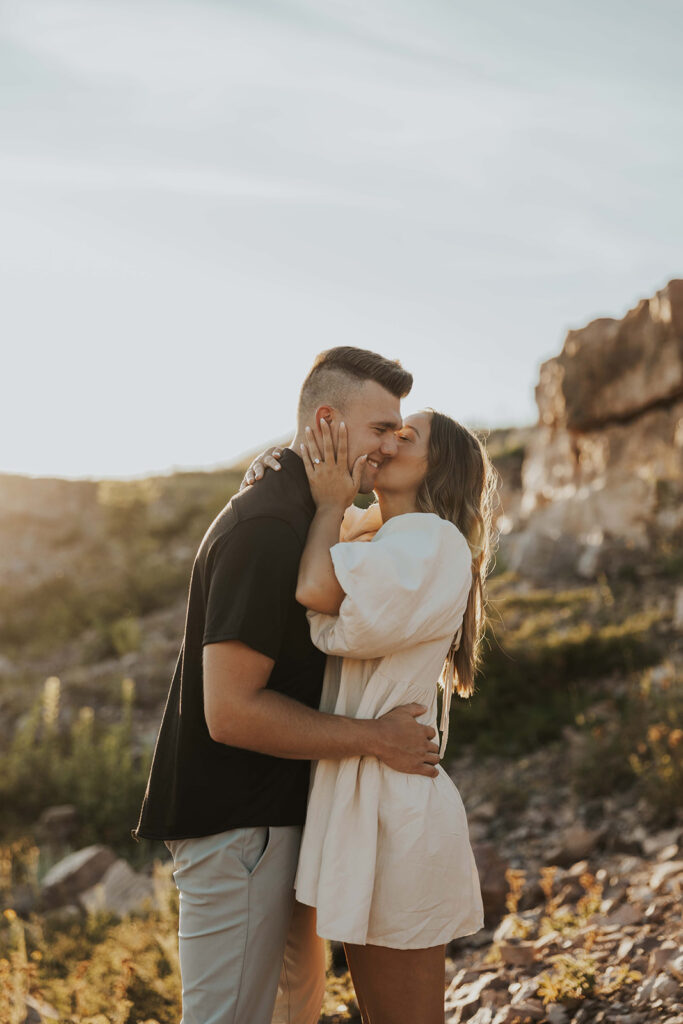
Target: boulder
574	844
484	1015
465	997
665	987
523	990
74	874
654	844
675	967
614	369
626	915
605	483
557	1013
516	953
664	871
120	890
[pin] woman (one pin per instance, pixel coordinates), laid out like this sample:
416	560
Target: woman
385	857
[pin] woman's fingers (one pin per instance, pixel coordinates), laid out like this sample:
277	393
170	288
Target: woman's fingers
312	445
266	460
342	445
358	470
328	447
308	462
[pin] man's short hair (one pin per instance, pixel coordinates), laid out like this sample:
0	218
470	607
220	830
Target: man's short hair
337	372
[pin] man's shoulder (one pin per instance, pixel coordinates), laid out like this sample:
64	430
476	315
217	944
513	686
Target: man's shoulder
257	512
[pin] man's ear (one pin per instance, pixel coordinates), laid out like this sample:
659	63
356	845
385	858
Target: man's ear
324	412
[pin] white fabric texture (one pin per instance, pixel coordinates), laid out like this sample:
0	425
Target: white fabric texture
385	857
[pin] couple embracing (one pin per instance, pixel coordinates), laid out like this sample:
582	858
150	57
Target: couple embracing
318	632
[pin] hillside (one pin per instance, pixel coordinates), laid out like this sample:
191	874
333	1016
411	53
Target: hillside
569	757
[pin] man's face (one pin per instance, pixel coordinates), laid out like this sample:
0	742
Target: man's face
372	415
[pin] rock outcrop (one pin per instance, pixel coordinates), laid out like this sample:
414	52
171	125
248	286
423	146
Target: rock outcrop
94	879
602	478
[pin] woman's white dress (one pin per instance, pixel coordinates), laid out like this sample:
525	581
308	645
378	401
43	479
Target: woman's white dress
385	857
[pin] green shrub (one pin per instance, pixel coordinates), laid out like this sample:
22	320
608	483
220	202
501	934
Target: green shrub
97	968
542	673
91	766
636	740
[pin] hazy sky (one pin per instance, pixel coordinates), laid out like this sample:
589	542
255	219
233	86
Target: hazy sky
196	197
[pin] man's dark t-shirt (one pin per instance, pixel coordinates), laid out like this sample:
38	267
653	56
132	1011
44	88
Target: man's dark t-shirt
242	588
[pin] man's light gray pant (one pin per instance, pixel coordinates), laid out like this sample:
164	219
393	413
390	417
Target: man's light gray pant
241	931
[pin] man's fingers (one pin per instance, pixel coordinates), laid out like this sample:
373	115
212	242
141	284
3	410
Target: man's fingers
430	731
426	770
432	758
415	710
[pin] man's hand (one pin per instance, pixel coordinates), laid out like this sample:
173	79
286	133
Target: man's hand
404	744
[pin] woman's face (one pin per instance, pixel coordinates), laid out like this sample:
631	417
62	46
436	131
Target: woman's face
406	471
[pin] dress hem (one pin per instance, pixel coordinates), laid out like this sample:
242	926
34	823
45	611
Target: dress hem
356	940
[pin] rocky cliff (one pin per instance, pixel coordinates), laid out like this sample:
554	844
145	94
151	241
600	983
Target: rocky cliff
602	477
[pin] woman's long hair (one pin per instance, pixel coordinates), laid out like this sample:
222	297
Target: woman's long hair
460	485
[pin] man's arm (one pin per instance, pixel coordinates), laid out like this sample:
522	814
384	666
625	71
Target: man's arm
241	712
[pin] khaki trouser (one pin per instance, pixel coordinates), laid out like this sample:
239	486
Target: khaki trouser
249	954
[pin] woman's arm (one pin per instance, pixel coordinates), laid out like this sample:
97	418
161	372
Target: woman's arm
318	587
333	488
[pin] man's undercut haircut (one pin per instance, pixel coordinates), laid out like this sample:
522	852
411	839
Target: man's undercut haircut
337	372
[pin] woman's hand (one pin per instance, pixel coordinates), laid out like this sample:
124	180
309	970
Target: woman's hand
332	484
266	460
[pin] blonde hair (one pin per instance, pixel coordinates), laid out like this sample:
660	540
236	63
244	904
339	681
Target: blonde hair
461	485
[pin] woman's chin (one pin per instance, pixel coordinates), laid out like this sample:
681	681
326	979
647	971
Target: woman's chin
382	479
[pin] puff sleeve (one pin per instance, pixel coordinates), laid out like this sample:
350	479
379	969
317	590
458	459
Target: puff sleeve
406	586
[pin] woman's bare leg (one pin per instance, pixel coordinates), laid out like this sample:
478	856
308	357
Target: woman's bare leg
397	985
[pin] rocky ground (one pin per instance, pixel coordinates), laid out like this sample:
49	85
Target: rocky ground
584	916
593	922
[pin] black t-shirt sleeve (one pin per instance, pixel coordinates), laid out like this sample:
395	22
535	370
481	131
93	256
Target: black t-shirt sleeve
252	580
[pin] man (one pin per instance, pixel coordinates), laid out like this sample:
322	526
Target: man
229	778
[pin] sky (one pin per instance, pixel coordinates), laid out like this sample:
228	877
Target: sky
197	196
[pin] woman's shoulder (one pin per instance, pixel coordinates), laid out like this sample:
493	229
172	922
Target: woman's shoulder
427	525
360	523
